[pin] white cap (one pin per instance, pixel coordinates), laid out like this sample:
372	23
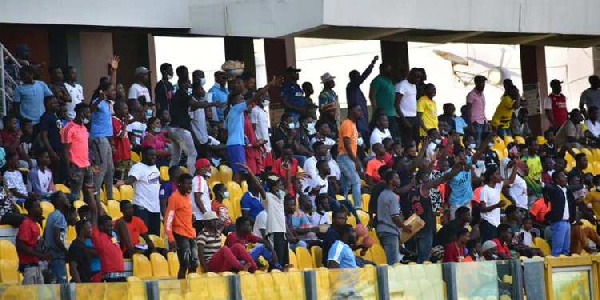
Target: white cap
210	215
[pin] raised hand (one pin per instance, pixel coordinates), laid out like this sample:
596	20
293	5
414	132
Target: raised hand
114	62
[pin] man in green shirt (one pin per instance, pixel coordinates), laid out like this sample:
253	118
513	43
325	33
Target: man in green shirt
382	96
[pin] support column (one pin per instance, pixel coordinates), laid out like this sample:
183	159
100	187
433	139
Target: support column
64	46
133	48
241	49
152	64
596	59
395	54
535	84
96	48
279	54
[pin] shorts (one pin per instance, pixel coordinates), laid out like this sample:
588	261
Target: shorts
237	154
187	252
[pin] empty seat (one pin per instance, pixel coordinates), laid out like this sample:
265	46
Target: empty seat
317	256
304	258
126	192
78	203
135	157
378	254
164	173
157	241
8	251
543	245
292	258
160	266
142	268
363	216
114	209
226	173
47	208
9	273
173	262
62	188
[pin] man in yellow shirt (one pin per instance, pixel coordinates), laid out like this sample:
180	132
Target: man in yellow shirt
503	116
427	110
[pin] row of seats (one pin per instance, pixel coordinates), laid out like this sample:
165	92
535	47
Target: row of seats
303	259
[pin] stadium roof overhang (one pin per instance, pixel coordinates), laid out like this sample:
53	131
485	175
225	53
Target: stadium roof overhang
564	23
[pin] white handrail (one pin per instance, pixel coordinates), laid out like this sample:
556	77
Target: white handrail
6	90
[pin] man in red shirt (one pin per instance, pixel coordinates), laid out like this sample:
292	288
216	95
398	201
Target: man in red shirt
243	235
120	140
111	257
129	228
555	105
502	241
286	161
27	242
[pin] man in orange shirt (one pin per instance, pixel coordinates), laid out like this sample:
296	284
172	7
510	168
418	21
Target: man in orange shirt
179	226
347	159
129	228
372	174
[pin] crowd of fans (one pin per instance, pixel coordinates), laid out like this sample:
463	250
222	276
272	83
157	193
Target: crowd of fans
482	189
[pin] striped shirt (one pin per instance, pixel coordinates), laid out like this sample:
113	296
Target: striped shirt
211	242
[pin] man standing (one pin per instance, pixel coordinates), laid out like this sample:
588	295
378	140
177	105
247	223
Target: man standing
55	234
101	142
555	105
29	96
389	219
561	214
427	110
179	227
591	96
27	241
75	141
328	99
146	180
406	105
74	89
502	118
219	94
164	88
476	108
348	158
571	133
139	88
355	95
292	96
201	192
49	133
382	95
57	85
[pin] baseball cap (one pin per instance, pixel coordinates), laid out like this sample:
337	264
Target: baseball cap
202	162
555	81
210	215
141	70
488	245
292	69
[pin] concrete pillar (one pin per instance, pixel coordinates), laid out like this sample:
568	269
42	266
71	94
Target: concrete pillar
152	63
279	54
596	58
64	46
96	48
535	84
395	54
132	47
241	49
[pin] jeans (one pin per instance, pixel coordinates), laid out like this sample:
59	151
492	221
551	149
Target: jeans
260	250
150	218
101	151
394	128
391	246
59	270
479	129
350	179
182	140
187	253
424	243
78	177
561	238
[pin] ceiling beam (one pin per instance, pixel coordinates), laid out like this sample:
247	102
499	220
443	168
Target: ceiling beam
387	32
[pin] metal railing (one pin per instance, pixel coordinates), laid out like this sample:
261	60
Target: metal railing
8	82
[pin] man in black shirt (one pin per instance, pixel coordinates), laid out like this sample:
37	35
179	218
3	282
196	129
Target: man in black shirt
448	233
164	88
49	138
79	255
181	124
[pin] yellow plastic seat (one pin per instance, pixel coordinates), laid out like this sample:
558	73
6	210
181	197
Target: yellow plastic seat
352	220
9	273
378	254
71	234
157	241
541	140
244	186
543	245
47	208
164	173
126	192
366	199
232	212
116	194
235	196
339	197
226	173
304	258
173	262
136	158
373	235
317	256
62	188
160	266
508	139
114	209
142	268
78	203
8	251
519	140
363	216
292	258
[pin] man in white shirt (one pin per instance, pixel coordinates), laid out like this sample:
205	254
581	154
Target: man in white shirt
145	178
260	225
593	126
139	87
74	89
321	153
381	131
406	105
200	190
260	121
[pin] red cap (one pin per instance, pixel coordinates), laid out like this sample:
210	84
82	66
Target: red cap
202	162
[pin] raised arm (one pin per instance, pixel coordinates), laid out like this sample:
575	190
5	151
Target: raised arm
255	180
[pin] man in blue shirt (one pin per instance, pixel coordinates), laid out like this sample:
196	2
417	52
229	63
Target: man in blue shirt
101	133
340	254
30	96
55	234
219	93
251	204
167	188
234	123
355	96
292	96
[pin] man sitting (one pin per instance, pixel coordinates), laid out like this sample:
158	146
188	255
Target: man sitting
244	236
340	255
129	228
